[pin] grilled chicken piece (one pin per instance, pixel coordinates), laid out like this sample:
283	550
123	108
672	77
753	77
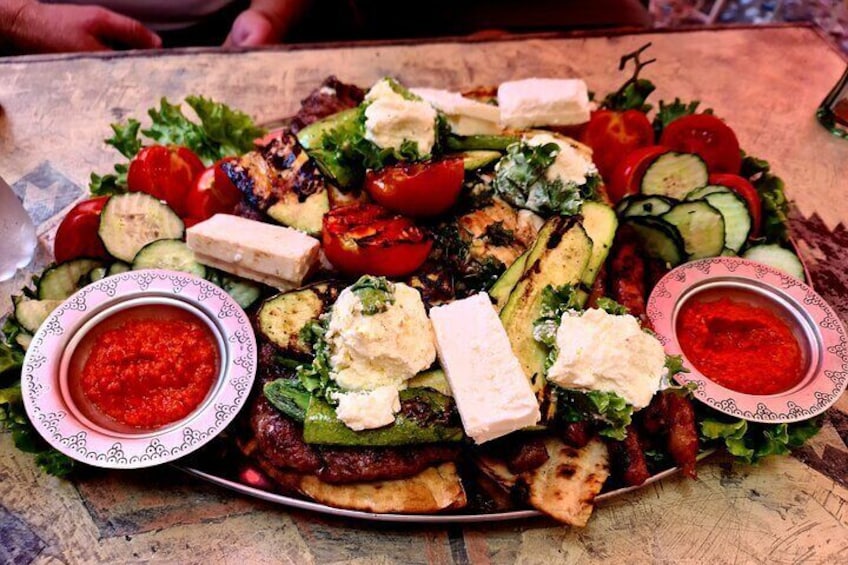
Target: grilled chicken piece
493	231
275	172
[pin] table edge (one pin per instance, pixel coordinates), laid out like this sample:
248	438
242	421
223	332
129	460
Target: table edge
507	37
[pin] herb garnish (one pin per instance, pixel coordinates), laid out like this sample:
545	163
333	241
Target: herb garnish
520	179
375	294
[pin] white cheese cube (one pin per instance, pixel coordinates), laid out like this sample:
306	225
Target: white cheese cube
492	393
242	246
465	116
543	102
244	272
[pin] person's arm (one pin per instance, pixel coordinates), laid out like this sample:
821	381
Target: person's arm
28	26
265	22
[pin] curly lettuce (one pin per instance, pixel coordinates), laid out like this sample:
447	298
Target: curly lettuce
221	132
750	441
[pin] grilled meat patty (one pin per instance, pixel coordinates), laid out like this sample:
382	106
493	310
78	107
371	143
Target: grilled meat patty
280	443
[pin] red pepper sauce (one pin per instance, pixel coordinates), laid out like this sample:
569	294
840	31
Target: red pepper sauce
147	373
740	346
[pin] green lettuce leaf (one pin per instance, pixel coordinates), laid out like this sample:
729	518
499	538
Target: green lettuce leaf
771	190
750	441
222	132
315	377
610	412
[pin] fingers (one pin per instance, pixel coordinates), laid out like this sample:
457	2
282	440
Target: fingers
250	28
120	31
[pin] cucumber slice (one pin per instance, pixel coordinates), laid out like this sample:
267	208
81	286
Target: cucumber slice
737	219
644	206
61	281
130	221
675	175
244	292
700	225
473	160
30	314
96	274
24	340
700	193
659	239
475	142
778	257
117	268
168	254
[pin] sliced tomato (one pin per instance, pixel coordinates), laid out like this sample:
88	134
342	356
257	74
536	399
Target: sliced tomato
612	135
77	234
166	172
627	177
709	137
746	190
417	189
370	239
212	193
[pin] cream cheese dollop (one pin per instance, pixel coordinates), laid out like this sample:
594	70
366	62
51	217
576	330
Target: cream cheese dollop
608	353
391	119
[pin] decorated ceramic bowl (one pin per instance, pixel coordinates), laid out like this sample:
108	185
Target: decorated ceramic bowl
747	308
139	369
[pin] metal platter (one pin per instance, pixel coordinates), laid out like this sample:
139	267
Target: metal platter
301	504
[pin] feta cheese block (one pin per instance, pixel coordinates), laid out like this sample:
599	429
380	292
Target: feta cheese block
244	272
543	102
464	115
254	249
492	393
608	353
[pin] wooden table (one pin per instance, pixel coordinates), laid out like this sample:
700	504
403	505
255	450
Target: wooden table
766	82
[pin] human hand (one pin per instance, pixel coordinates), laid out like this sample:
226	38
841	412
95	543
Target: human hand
51	28
252	28
265	22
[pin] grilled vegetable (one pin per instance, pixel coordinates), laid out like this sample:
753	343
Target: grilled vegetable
559	256
281	318
430	418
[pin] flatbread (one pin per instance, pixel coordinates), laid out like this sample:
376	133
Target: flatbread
565	486
433	490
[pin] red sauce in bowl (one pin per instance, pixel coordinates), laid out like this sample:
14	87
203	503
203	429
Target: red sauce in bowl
147	371
740	346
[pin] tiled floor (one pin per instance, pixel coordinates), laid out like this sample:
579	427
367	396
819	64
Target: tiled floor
830	15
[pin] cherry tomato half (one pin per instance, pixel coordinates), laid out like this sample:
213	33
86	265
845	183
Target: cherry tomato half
613	134
77	234
166	172
417	189
627	177
369	239
212	193
707	136
746	190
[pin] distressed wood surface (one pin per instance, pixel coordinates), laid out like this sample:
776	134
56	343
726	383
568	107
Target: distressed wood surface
765	82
